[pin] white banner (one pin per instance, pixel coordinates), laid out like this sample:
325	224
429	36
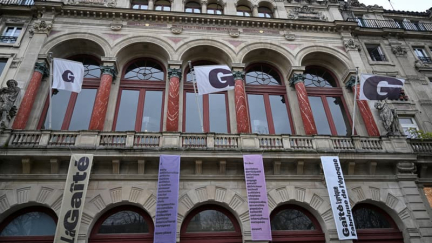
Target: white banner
68	75
374	87
212	79
339	199
74	196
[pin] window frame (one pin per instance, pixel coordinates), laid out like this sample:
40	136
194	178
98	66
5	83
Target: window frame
215	9
379	49
325	92
140	3
14	22
20	239
424	57
123	237
243	12
210	237
88	83
266	91
414	125
164	8
188	6
311	236
267	13
142	87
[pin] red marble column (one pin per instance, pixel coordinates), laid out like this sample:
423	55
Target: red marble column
173	100
243	124
366	114
26	105
100	107
303	102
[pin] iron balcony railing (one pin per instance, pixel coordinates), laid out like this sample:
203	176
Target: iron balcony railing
17	2
425	59
391	24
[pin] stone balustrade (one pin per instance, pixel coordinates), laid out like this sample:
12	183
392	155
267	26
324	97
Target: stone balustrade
208	141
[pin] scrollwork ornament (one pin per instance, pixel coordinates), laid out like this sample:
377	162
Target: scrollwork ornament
234	33
399	50
41	27
176	30
290	36
350	45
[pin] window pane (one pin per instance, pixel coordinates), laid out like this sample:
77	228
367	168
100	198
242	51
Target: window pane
30	224
406	121
320	117
144	70
60	102
291	219
193	123
217	110
2	65
339	116
124	222
258	114
262	74
152	111
366	218
83	110
280	114
210	221
127	111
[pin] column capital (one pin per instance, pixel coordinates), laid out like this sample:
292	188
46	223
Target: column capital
350	82
239	75
110	70
296	78
42	67
174	72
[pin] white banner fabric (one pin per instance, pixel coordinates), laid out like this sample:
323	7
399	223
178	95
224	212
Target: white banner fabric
74	196
214	78
339	199
68	75
374	87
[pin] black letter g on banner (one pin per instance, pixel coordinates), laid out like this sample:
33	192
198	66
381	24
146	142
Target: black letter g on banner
68	76
221	78
380	88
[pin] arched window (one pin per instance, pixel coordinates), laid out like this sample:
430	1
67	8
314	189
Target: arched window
192	7
140	102
32	224
327	103
243	10
375	225
72	111
264	12
291	223
213	108
123	224
210	222
163	5
214	8
268	103
140	4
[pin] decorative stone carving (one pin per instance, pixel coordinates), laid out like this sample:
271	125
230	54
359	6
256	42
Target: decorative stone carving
351	82
238	75
297	77
399	50
356	3
419	64
290	36
351	45
306	12
176	30
111	70
234	33
406	167
116	26
40	27
112	3
389	118
174	72
8	95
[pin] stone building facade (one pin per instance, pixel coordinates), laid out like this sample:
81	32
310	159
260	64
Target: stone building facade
294	64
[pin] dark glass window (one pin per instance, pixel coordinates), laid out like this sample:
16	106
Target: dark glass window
265	12
193	7
70	110
244	11
291	219
10	34
139	106
140	4
2	65
267	101
367	218
214	8
376	53
30	224
163	5
210	221
124	222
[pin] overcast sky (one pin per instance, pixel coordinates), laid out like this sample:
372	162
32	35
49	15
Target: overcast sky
407	5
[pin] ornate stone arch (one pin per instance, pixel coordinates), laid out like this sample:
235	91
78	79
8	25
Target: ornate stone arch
98	45
157	48
20	197
388	201
186	51
230	200
103	200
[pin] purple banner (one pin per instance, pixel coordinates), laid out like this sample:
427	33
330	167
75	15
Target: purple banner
167	198
257	197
